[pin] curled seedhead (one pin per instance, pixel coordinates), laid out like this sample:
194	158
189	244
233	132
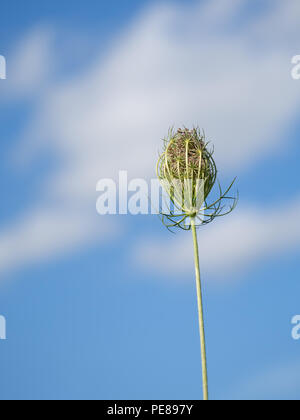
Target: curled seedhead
188	173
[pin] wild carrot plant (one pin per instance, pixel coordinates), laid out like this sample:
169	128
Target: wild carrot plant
188	173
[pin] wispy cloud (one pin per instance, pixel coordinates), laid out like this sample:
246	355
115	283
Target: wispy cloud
227	247
112	116
30	65
46	234
278	382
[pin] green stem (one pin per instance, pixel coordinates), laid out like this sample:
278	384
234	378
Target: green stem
200	311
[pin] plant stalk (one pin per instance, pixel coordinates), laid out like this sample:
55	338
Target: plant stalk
200	311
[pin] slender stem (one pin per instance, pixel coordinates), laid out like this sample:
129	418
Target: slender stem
200	310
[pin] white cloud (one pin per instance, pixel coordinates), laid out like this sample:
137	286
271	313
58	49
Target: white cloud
46	233
277	383
282	16
228	245
30	65
174	65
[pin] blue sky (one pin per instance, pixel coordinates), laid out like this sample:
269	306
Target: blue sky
105	307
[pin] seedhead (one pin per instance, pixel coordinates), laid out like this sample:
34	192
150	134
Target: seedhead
188	173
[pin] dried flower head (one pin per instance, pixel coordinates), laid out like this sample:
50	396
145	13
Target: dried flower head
188	173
